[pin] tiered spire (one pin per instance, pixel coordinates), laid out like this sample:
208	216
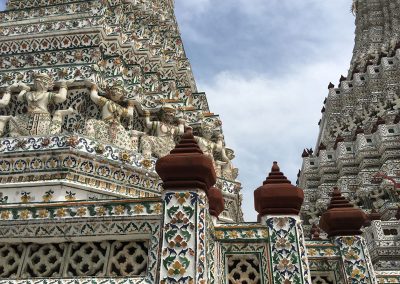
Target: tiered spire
376	32
186	166
342	218
277	196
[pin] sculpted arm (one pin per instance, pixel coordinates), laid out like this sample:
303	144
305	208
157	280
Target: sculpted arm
128	112
181	126
94	95
219	146
225	157
148	123
62	94
5	100
25	88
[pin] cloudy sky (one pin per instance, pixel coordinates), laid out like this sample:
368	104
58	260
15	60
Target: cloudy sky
265	66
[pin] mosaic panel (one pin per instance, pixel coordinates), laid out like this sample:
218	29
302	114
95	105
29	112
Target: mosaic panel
184	238
330	268
98	227
384	277
357	263
90	259
77	209
288	256
243	268
254	257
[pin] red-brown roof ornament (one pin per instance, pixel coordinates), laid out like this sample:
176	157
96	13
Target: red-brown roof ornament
331	86
305	154
186	166
320	148
342	218
216	201
359	130
339	138
397	214
315	232
397	119
277	196
380	121
374	215
342	78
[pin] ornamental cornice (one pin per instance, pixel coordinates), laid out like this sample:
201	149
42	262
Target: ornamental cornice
80	209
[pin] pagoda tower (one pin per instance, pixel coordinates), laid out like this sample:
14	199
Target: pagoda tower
114	170
358	147
93	93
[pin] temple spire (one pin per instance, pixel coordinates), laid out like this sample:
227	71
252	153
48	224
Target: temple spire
376	32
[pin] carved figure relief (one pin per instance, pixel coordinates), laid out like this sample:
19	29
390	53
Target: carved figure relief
4	101
109	129
37	120
161	133
220	155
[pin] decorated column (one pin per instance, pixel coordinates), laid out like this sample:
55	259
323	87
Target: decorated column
278	203
342	222
187	175
217	205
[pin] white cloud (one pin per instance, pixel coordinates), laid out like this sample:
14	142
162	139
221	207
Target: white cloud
265	67
267	119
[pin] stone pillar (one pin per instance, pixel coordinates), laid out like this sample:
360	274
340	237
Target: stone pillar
342	222
187	175
278	203
217	205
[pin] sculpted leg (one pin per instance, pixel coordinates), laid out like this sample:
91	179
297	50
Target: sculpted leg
57	121
3	122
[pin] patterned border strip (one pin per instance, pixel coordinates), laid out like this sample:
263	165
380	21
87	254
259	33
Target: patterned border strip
82	144
79	209
241	233
388	276
80	281
131	160
321	249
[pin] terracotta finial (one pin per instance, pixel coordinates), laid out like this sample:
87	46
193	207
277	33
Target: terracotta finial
331	86
186	166
380	121
396	119
339	139
305	154
342	218
359	130
216	201
315	232
372	217
321	147
397	214
277	195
